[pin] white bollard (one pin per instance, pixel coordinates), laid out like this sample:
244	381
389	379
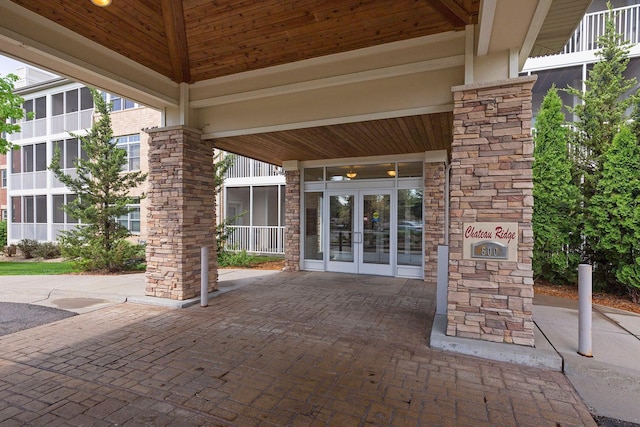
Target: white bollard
584	310
442	283
204	276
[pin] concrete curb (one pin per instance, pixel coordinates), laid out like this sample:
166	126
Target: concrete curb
542	356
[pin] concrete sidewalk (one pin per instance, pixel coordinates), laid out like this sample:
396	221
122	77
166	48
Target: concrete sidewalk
82	293
609	382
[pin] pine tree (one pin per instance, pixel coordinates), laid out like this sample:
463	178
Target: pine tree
102	191
615	210
599	118
555	210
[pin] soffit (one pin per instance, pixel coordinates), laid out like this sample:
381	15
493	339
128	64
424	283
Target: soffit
560	23
413	134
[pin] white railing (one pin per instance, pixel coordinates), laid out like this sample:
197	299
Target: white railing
244	167
29	231
585	38
264	240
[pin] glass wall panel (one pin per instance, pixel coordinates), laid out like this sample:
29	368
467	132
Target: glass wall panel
341	228
27	158
41	209
70	219
16	210
410	170
410	227
313	174
238	204
376	228
265	206
41	157
16	162
58	212
313	226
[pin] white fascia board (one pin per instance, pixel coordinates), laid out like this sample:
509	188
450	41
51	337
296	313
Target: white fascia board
28	37
534	29
364	76
485	25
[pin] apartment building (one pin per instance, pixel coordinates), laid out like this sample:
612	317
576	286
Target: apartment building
63	111
31	198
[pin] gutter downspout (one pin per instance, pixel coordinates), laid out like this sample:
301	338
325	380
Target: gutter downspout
442	283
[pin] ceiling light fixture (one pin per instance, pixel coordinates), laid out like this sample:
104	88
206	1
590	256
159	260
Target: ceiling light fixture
391	173
101	3
352	173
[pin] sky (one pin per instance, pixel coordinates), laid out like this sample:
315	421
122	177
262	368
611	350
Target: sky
8	65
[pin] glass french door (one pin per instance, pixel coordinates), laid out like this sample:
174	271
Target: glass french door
360	225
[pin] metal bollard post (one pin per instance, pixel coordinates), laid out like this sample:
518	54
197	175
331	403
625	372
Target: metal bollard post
584	310
204	276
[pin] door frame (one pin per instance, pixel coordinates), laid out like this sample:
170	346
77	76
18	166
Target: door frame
358	266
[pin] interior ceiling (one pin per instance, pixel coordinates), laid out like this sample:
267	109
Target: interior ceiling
195	40
411	134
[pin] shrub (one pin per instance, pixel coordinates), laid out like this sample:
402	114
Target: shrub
234	259
47	250
88	256
28	247
3	233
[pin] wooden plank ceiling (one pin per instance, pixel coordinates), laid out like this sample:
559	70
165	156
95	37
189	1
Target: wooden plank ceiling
370	138
196	40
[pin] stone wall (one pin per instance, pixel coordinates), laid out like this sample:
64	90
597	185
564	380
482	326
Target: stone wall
491	181
292	221
434	226
181	214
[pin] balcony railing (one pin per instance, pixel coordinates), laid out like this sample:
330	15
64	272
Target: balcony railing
262	240
244	167
585	38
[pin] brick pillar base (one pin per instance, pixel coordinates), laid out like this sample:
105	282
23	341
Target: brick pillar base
491	181
181	215
292	221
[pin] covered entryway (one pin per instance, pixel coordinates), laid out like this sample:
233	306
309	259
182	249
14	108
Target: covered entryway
335	82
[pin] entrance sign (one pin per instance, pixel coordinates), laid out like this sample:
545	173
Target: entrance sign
490	241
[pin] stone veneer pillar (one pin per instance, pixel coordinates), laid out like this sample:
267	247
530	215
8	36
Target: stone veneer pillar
292	221
491	181
181	216
434	226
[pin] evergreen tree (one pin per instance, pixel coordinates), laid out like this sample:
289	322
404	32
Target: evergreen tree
10	110
615	211
102	191
599	118
555	214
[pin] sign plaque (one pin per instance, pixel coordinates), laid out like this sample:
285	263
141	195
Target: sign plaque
490	241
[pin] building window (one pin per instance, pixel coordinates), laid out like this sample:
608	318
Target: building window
59	215
4	215
35	109
3	178
70	150
130	143
131	221
29	158
118	103
29	209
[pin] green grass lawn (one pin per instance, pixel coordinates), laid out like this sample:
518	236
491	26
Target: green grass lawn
11	268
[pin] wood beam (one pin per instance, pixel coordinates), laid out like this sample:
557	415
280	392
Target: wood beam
174	25
453	12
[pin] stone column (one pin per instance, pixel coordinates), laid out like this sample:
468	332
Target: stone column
491	181
434	226
181	215
292	221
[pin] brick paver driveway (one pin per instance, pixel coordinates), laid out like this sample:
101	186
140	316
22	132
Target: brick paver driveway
300	349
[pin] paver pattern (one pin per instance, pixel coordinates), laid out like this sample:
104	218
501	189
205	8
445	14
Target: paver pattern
299	349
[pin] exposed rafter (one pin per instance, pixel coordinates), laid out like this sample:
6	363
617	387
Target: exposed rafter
176	39
453	12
